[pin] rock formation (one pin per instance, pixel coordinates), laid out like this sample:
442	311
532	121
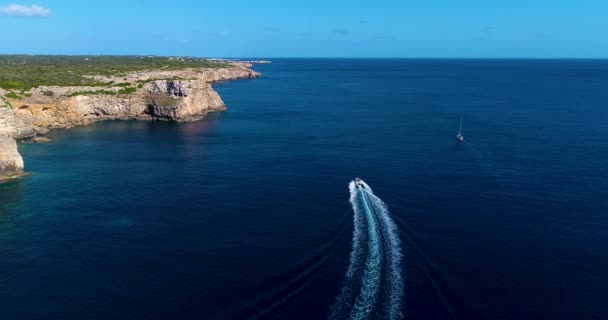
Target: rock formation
183	95
11	163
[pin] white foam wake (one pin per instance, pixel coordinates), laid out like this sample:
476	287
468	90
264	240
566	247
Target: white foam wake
350	290
395	257
374	271
358	231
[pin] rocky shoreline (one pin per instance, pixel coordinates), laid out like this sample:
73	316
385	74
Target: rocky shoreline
178	95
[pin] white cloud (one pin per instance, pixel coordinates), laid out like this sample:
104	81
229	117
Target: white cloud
25	11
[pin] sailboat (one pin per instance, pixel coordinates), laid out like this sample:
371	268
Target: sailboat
459	136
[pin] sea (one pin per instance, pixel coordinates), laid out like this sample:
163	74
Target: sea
252	213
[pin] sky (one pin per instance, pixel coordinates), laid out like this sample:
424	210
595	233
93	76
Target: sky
309	28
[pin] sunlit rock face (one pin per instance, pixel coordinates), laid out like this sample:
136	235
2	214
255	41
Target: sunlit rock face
11	162
178	95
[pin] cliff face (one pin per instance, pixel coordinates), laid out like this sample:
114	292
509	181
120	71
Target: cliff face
183	95
181	100
11	162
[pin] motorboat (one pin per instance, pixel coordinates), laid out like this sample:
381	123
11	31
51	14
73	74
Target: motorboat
359	183
459	136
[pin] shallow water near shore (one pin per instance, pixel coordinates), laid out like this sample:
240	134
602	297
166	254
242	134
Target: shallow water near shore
246	214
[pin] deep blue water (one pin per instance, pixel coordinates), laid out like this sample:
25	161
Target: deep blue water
246	214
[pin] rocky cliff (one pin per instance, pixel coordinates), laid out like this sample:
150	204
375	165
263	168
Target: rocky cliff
182	95
11	163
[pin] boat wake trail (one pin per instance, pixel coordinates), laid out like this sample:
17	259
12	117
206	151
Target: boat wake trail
373	285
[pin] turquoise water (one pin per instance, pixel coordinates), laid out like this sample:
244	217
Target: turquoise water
247	215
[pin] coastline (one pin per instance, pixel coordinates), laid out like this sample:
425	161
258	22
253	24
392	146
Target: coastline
160	95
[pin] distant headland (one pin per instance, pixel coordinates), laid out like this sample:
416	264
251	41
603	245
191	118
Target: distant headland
40	92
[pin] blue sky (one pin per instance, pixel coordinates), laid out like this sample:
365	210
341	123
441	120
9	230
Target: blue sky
312	28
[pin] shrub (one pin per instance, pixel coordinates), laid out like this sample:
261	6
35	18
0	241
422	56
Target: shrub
48	93
12	95
10	85
126	90
87	93
25	71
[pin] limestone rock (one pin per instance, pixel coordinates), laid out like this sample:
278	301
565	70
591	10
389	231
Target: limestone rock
41	139
11	162
174	95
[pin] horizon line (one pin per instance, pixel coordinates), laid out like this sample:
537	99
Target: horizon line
307	57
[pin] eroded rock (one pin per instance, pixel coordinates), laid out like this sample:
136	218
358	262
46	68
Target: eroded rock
177	95
11	162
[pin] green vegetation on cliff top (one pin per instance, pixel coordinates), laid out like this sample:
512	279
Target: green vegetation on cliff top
29	71
125	90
